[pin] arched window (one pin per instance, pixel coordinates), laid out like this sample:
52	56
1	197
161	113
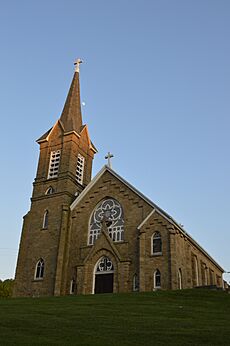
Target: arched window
135	283
110	213
204	274
104	265
39	270
72	286
49	191
179	274
157	279
211	276
156	244
45	219
195	274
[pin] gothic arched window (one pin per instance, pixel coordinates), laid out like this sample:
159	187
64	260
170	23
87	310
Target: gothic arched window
156	243
109	212
49	191
135	283
45	219
39	270
179	275
195	273
104	265
157	279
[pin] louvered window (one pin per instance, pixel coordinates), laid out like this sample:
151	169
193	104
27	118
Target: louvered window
80	168
54	164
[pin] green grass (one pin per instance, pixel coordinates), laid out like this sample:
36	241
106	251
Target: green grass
189	317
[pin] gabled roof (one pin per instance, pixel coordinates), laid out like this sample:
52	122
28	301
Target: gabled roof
147	200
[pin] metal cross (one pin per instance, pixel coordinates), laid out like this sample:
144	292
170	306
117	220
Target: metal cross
77	65
108	157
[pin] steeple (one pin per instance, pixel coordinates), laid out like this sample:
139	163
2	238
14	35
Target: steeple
66	150
71	117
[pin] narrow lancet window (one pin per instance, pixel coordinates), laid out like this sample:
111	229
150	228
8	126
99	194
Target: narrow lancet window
195	274
45	219
54	164
49	191
156	243
39	270
135	283
179	274
72	286
157	279
80	169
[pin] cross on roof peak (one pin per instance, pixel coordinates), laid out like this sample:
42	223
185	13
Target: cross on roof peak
77	64
108	157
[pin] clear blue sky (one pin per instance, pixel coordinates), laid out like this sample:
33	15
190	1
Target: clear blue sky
156	87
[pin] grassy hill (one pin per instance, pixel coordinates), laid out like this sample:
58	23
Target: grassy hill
189	317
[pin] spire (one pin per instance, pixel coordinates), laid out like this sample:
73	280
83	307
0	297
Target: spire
71	117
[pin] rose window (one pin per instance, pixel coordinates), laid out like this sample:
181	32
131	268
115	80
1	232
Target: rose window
109	212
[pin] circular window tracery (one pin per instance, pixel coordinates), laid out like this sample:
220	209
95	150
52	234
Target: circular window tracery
105	265
110	212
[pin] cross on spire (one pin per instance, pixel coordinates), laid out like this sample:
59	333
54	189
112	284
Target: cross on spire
77	65
108	157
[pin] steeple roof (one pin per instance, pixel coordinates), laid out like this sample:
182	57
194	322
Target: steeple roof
71	117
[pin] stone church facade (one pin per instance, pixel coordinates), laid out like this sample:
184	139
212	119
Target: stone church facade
84	236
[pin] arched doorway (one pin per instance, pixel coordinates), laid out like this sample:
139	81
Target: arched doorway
103	276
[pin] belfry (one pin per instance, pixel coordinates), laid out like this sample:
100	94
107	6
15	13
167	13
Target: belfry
100	235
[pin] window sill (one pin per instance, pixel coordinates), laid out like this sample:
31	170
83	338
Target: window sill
38	280
156	254
114	242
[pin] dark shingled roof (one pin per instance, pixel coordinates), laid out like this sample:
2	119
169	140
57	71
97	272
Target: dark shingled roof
44	136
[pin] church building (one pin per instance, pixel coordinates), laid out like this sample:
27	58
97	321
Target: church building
100	235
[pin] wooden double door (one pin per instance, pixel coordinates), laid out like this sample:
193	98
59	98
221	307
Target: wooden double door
103	283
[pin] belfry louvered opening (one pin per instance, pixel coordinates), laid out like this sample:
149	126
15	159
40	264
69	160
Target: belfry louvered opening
54	164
